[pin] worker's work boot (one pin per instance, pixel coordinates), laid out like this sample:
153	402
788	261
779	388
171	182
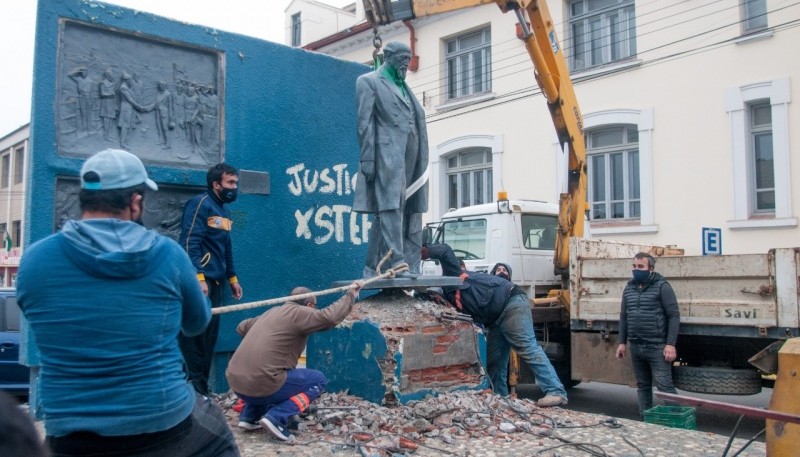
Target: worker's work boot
551	400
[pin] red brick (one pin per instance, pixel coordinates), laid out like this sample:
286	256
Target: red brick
446	339
434	329
407	443
440	348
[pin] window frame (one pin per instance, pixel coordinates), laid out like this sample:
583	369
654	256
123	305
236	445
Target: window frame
5	169
493	142
757	131
19	164
460	171
296	29
622	42
737	100
753	23
643	120
546	233
16	233
625	150
455	86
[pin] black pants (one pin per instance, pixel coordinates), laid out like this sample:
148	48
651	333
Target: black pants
650	368
198	351
205	433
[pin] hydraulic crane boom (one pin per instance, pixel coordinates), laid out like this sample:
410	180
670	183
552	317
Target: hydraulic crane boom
552	75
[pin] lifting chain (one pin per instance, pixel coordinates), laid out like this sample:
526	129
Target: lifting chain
377	42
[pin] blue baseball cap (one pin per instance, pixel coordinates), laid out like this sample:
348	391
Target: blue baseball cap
116	169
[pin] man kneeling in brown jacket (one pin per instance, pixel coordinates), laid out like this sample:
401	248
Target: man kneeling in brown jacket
263	370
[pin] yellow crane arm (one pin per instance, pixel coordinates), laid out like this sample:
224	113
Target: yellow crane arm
552	75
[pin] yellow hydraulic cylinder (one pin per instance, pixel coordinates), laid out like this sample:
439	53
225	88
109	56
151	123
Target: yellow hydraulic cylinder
513	372
783	438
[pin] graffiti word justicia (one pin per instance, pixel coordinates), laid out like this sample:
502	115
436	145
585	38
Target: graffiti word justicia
336	179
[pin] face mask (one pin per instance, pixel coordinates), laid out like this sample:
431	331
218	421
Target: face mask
504	276
228	195
641	275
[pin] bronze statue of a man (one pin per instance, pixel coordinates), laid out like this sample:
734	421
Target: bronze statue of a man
392	179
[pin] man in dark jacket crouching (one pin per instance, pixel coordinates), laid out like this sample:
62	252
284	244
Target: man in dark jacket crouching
505	310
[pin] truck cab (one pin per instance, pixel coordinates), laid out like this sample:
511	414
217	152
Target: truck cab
520	233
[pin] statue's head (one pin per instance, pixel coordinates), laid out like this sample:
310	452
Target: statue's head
397	55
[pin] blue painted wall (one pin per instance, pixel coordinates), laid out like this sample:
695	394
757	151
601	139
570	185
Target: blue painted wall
350	358
285	109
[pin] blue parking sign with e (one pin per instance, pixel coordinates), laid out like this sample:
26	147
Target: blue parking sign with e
712	241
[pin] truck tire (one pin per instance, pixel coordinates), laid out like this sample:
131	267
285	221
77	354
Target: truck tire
715	380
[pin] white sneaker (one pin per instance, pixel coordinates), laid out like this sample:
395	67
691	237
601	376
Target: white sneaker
249	426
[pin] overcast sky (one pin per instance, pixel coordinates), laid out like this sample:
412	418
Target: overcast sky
258	18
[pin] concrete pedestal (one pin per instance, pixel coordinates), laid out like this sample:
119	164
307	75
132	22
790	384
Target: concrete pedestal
394	349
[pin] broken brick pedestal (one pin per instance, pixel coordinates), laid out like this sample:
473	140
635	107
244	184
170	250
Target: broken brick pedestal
394	348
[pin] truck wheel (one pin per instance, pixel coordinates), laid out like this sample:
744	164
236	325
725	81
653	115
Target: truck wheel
715	380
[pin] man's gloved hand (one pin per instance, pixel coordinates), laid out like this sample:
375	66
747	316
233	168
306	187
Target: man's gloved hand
368	170
425	253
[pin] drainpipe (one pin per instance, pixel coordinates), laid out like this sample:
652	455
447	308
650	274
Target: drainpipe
414	64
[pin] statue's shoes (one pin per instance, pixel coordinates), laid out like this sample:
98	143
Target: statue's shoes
406	275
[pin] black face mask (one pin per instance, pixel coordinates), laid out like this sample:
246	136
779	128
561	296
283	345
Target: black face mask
228	195
504	276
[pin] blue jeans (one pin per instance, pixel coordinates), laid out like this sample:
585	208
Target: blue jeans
302	387
514	329
649	365
205	433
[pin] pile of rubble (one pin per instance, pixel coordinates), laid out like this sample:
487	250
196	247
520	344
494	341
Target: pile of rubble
473	423
433	423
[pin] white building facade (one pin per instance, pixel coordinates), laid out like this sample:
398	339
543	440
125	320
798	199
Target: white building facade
687	108
13	172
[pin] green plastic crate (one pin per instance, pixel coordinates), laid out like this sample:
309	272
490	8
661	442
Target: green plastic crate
672	416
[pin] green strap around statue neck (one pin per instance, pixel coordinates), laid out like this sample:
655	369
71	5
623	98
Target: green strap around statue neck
391	73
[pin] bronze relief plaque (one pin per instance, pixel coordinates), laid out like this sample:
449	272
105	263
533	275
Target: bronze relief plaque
161	100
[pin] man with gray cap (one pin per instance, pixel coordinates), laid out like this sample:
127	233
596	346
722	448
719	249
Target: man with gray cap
392	179
105	299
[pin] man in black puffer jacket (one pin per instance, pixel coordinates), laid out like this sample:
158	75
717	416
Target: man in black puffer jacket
505	310
649	321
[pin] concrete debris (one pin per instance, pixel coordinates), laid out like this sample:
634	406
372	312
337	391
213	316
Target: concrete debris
470	423
506	427
434	421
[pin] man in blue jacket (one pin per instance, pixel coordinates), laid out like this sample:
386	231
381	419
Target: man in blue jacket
649	320
504	309
206	237
106	299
